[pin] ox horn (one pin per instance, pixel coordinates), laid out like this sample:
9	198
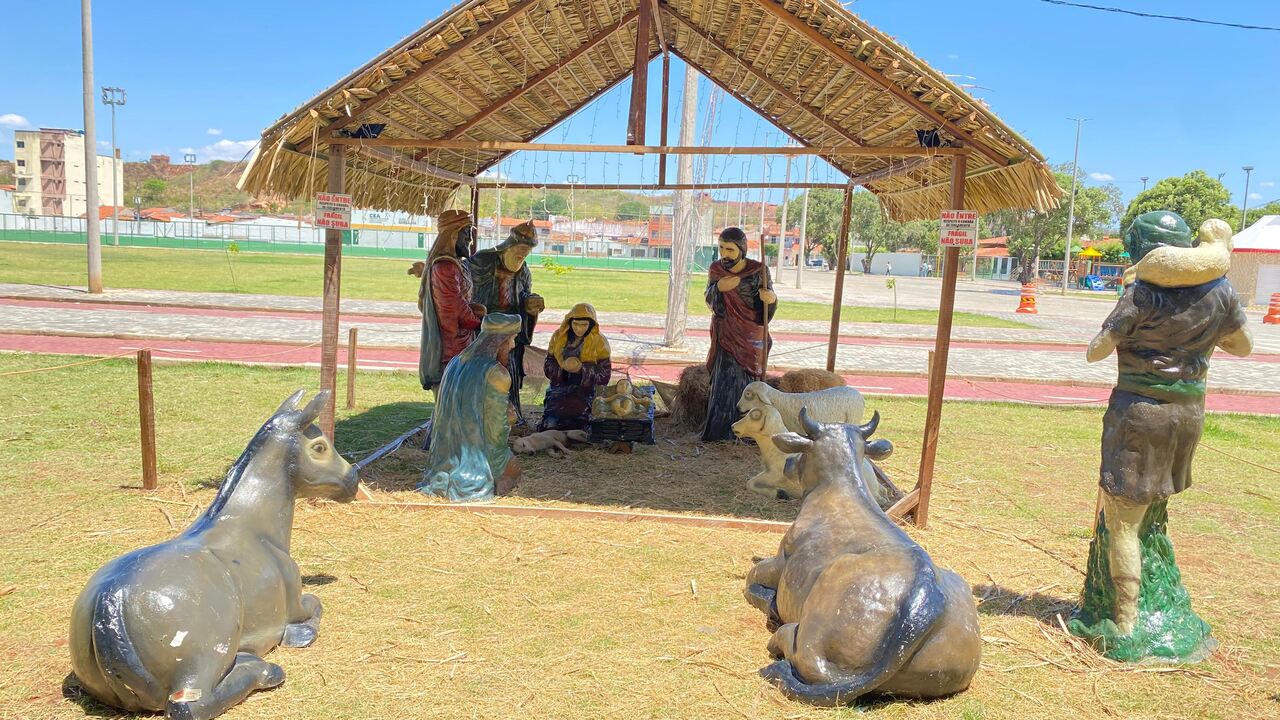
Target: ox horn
867	430
812	427
291	403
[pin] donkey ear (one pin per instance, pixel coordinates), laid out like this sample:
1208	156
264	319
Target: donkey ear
791	442
313	408
290	403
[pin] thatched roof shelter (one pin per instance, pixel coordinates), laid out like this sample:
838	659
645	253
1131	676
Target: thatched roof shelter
507	71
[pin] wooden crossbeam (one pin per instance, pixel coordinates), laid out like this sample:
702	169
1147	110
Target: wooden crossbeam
503	146
489	184
862	68
758	75
426	68
422	168
888	172
519	92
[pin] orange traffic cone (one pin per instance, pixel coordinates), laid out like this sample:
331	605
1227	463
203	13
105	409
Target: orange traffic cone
1027	303
1273	311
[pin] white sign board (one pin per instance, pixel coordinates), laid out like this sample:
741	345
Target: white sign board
958	227
333	211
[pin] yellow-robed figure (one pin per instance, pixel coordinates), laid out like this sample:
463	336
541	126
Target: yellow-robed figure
577	363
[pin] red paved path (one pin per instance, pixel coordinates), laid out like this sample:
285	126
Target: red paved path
957	388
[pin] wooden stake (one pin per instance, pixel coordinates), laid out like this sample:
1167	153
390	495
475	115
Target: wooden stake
336	183
351	368
842	256
147	420
942	344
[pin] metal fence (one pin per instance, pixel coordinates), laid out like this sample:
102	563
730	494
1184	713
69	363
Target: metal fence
286	238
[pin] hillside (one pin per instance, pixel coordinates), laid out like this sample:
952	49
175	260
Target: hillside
6	172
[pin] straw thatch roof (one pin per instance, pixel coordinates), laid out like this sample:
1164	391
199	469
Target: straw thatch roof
509	70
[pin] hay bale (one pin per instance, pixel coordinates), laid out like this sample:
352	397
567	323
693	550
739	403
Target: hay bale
808	380
692	393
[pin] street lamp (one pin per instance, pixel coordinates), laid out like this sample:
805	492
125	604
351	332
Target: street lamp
190	160
1071	209
1244	209
114	96
1144	179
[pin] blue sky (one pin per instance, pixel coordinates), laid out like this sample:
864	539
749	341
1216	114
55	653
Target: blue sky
1162	97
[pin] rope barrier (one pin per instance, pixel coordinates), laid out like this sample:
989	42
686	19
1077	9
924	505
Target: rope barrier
1239	459
60	367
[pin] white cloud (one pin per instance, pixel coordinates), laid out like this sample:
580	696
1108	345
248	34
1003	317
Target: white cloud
233	150
950	56
1255	196
1101	177
1267	184
14	121
104	144
214	131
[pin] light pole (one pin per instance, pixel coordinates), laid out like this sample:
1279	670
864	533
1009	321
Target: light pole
1244	208
190	160
92	230
1144	179
804	225
1071	209
114	96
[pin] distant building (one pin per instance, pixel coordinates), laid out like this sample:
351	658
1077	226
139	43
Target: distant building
49	173
6	198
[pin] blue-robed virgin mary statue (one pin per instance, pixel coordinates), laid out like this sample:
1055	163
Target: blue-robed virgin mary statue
470	459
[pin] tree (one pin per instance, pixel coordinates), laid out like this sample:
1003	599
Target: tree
1195	196
872	230
1256	214
825	209
1033	235
632	210
152	190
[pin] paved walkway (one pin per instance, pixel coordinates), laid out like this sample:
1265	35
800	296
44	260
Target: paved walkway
1052	354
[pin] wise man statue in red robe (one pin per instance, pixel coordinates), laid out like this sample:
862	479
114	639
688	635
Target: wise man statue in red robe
739	293
449	318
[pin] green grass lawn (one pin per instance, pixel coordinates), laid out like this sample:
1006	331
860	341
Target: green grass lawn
433	614
378	279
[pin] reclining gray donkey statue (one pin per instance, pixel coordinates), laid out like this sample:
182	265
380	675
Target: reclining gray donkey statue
182	626
857	607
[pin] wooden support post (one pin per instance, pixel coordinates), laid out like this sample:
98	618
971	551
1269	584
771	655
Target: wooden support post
147	420
336	183
351	368
842	257
640	77
942	344
666	82
929	368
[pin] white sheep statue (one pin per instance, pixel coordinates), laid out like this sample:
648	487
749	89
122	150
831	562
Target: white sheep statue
761	424
832	405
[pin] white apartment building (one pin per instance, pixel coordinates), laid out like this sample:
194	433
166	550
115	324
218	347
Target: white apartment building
49	173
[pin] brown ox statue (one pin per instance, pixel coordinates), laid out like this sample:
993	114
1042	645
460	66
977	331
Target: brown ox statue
182	626
859	608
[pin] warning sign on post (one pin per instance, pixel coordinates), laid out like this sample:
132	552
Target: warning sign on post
333	211
958	227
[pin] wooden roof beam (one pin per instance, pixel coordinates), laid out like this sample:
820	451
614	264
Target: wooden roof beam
656	14
565	116
410	78
891	171
753	72
516	94
925	111
640	76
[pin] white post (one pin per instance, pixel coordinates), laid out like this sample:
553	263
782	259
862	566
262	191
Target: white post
1071	209
90	153
683	235
804	225
782	226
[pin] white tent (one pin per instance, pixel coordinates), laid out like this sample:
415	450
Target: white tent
1255	261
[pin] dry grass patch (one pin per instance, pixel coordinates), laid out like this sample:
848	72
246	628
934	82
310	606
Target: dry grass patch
449	614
